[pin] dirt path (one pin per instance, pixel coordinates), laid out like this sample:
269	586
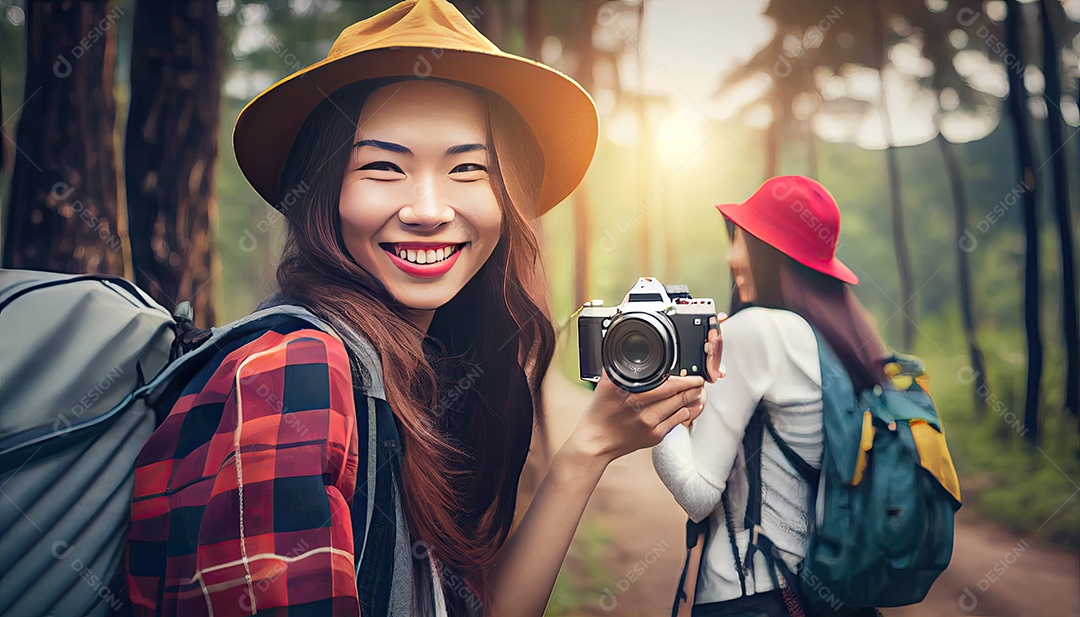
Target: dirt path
993	572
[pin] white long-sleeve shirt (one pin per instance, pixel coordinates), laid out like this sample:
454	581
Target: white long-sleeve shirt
769	356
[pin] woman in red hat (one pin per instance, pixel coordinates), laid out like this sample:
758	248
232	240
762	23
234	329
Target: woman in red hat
377	471
787	281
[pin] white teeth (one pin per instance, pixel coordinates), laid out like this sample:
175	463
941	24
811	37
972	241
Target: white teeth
429	256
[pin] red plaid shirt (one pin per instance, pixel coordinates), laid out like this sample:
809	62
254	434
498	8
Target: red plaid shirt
241	499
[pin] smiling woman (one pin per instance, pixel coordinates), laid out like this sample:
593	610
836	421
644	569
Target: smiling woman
420	170
418	207
378	471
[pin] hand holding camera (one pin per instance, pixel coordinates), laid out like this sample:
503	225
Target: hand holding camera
650	358
617	422
656	332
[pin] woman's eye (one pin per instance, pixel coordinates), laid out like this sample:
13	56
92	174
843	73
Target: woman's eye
467	167
382	166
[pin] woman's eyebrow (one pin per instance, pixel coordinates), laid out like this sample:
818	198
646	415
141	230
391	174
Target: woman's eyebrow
383	145
465	148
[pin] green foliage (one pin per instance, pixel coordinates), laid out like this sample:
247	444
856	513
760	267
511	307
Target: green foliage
1031	490
582	573
265	42
13	51
1003	478
669	203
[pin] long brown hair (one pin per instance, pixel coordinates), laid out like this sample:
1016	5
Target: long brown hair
827	303
467	392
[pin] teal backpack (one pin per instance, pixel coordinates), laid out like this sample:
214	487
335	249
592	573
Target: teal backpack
885	497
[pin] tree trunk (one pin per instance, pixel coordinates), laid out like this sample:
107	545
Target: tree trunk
1062	214
582	223
811	141
534	29
489	14
646	159
3	134
171	148
900	247
63	214
963	268
1017	107
775	131
903	258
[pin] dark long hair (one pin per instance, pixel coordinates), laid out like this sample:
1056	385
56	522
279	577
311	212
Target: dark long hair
826	303
467	392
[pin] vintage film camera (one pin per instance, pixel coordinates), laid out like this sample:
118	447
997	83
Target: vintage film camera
657	331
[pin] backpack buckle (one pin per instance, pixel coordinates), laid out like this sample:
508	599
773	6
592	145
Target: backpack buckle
188	335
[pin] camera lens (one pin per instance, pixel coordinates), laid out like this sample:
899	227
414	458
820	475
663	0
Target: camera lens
635	348
639	350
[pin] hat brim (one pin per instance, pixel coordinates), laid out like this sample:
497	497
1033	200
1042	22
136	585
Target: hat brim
834	268
561	114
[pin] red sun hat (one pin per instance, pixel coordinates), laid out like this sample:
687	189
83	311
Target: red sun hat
798	217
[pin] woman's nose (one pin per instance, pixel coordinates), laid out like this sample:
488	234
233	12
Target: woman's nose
427	209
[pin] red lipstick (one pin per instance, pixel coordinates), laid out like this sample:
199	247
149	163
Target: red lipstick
428	270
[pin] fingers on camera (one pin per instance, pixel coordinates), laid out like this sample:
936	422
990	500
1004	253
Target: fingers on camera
691	397
681	415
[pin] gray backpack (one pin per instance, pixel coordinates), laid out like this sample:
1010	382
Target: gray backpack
83	361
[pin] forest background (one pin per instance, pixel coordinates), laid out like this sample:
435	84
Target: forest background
946	129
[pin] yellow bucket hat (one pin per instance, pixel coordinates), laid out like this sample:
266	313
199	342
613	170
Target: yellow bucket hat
423	38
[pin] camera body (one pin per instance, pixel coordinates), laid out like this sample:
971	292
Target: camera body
656	332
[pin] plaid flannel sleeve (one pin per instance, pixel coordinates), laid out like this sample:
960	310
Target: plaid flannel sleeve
257	518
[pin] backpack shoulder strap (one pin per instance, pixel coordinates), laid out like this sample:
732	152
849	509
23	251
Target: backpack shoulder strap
361	350
753	443
841	413
697	534
804	469
187	364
